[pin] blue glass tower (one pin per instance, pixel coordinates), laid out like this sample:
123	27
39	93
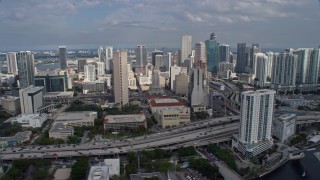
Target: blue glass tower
212	54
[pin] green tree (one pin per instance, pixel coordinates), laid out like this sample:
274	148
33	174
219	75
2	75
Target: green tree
79	169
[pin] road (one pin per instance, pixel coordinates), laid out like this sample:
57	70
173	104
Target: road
208	131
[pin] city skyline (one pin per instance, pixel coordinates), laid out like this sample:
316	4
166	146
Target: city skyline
81	24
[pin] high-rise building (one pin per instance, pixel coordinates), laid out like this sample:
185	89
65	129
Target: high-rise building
270	56
158	61
307	69
120	78
31	99
174	70
224	53
261	64
109	57
242	58
200	53
181	84
284	69
12	62
255	48
81	64
141	56
100	68
186	47
63	57
90	72
52	82
197	92
101	54
25	62
255	123
154	53
212	54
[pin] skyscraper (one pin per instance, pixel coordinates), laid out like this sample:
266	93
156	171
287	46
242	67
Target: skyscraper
284	69
81	64
242	58
197	92
186	47
100	68
90	72
174	71
141	56
212	54
224	53
25	63
260	64
12	62
255	48
255	122
154	53
308	69
109	57
200	53
63	57
120	78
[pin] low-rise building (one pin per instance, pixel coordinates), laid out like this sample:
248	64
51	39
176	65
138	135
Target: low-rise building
94	86
61	131
104	170
58	97
198	108
160	103
82	118
11	104
122	122
29	120
173	117
20	137
295	102
284	127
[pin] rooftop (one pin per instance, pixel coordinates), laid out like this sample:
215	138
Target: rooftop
57	94
100	172
9	98
80	115
33	89
20	136
286	117
125	118
25	116
165	102
60	127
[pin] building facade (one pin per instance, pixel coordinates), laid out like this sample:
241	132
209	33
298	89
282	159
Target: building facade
197	92
120	78
255	123
186	48
12	62
63	57
284	127
200	53
90	72
124	122
141	56
31	99
212	54
224	53
25	62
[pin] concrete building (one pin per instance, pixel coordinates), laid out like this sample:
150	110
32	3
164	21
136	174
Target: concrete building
284	127
81	118
61	131
31	99
171	117
141	56
160	103
90	72
7	79
18	138
197	92
243	58
124	122
11	58
154	54
11	104
107	78
120	78
255	123
186	47
100	68
63	57
307	69
109	58
174	70
58	97
200	53
182	84
284	71
261	70
295	102
93	86
25	63
29	120
224	68
132	81
212	53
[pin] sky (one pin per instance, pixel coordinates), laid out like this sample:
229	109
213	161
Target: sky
46	24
